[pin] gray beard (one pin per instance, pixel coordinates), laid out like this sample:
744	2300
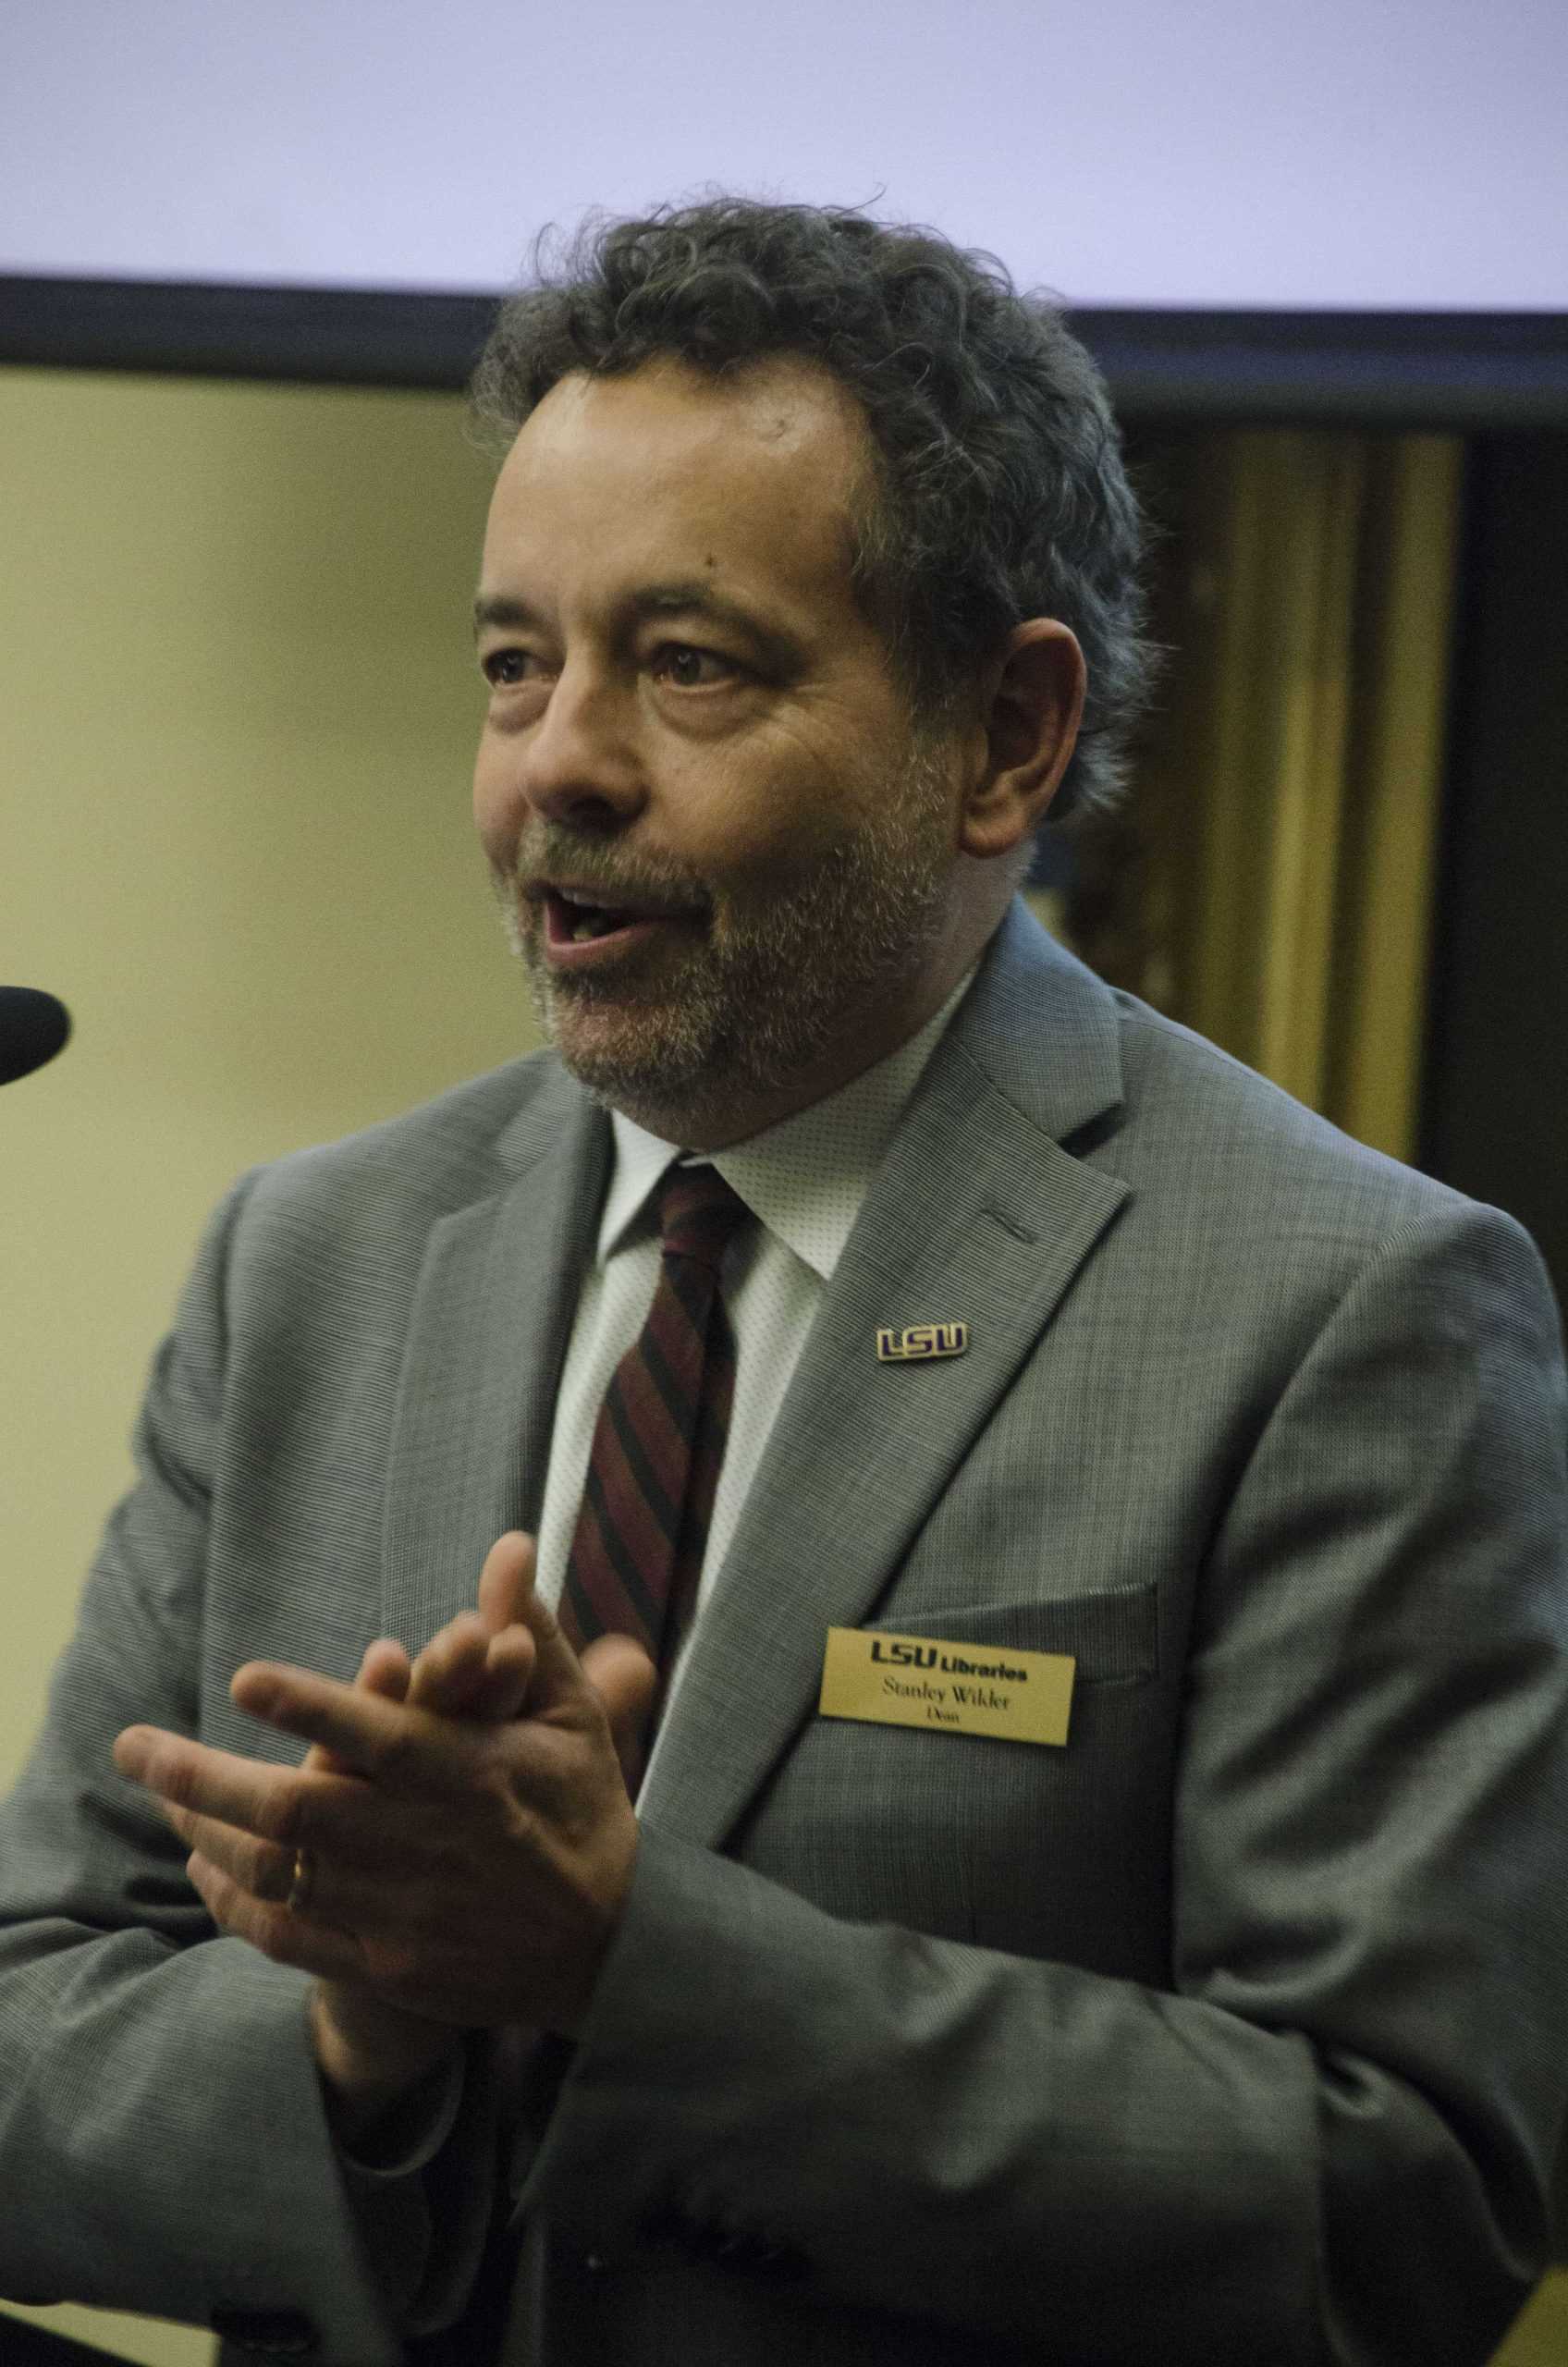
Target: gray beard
766	992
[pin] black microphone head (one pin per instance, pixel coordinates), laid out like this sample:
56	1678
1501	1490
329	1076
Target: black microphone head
33	1027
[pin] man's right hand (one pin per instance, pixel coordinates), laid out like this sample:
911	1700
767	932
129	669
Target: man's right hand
480	1667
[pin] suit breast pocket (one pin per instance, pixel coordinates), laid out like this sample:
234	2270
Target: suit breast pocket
1039	1850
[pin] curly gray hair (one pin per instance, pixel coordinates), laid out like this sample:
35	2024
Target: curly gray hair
1001	491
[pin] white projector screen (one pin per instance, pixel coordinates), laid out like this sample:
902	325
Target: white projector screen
1373	156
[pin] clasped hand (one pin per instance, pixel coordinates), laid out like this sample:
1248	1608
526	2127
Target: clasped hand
465	1818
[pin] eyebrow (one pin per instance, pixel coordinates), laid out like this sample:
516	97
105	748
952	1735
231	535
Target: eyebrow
495	608
682	596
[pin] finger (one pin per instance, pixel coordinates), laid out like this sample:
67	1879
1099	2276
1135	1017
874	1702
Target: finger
400	1748
286	1938
302	1806
558	1684
457	1674
270	1802
506	1582
509	1673
361	1728
384	1670
259	1868
492	1687
626	1681
451	1666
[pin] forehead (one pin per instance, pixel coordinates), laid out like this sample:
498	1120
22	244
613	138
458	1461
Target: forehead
755	475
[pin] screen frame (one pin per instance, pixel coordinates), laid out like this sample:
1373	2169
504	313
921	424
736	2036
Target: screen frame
1452	369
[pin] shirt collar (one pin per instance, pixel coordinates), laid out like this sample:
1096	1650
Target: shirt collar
804	1179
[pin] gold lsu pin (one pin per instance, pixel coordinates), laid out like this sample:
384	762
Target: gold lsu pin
920	1342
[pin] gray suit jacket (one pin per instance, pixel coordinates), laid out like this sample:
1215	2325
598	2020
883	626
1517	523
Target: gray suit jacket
1236	2029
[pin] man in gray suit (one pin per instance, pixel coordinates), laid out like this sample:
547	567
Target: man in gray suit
382	2000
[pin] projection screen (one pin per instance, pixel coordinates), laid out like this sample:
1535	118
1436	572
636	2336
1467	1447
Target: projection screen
1359	207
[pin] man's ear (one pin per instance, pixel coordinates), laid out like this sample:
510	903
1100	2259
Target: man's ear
1033	702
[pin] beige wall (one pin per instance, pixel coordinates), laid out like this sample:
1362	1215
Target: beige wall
237	707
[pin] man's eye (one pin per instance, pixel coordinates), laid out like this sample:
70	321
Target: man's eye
689	669
503	669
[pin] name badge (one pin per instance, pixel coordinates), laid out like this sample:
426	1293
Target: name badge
953	1689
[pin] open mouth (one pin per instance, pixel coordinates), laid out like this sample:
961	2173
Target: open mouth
573	919
575	924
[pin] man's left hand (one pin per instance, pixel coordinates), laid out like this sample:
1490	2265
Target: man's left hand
470	1871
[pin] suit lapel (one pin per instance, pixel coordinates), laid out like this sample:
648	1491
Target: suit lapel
978	1214
491	1320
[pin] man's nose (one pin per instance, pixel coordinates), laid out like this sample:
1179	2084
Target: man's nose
580	761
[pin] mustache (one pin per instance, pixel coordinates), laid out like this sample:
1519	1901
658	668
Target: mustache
557	852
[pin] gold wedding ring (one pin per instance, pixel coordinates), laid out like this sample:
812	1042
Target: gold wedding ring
299	1889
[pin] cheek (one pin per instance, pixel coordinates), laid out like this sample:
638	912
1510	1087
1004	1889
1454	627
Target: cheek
495	811
778	810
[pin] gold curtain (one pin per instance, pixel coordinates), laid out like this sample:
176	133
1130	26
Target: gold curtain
1271	882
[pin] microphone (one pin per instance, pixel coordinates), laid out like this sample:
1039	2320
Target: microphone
33	1027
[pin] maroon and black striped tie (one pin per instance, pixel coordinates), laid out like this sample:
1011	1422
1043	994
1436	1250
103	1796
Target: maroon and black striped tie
637	1552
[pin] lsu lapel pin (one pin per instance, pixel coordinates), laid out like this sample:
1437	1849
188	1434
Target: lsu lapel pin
920	1342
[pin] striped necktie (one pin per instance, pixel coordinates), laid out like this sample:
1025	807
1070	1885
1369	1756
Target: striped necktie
637	1552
